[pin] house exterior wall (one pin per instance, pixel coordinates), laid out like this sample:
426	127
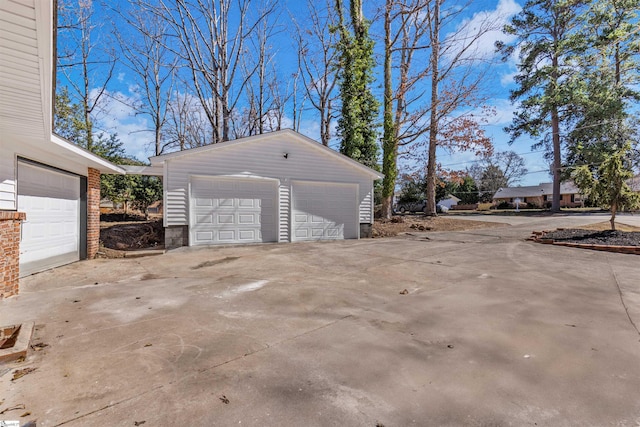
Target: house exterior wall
93	212
565	200
7	182
264	159
10	223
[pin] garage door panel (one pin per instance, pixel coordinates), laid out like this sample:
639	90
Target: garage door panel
204	219
317	232
324	211
51	233
248	235
204	235
244	210
248	219
226	235
225	219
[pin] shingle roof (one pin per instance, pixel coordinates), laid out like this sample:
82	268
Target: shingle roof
544	188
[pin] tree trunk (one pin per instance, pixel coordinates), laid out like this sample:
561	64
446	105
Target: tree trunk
612	220
555	129
555	135
389	141
430	208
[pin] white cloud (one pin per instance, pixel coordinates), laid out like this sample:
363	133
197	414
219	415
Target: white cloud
116	115
504	110
482	31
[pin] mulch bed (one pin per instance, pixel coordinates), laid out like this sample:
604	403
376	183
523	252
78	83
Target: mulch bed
591	237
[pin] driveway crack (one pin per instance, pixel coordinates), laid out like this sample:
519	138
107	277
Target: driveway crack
624	305
268	346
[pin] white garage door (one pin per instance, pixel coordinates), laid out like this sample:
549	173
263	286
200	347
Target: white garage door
230	210
324	211
51	233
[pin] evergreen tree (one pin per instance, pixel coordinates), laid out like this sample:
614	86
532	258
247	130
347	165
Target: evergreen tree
604	91
467	191
607	186
548	40
128	189
357	125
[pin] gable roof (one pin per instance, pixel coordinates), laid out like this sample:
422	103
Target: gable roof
542	189
271	136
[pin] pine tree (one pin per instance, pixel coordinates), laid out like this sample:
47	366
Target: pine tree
603	92
607	186
548	39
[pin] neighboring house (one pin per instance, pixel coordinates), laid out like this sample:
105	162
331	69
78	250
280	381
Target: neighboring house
275	187
107	206
634	183
49	187
155	207
449	201
540	195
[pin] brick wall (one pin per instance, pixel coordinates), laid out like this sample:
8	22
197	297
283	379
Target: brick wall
10	223
93	212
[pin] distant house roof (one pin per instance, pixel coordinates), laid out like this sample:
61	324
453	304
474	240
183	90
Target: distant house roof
156	204
634	183
542	189
451	197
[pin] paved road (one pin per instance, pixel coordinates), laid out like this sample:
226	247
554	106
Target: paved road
492	330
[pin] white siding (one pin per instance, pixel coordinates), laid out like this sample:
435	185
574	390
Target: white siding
265	159
284	206
7	181
24	42
366	206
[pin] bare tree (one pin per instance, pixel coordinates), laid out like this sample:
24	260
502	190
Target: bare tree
264	89
317	62
456	86
406	27
85	64
502	169
212	36
144	51
187	125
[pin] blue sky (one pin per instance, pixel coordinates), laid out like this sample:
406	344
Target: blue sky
117	117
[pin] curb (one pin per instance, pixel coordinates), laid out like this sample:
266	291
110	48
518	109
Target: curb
539	237
21	346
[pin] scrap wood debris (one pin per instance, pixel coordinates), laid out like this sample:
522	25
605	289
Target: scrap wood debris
19	373
13	408
133	235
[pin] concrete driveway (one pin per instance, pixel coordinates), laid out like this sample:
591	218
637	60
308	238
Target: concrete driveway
492	331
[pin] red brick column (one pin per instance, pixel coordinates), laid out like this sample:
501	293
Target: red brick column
93	212
10	223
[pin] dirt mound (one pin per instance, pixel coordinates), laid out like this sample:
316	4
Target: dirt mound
411	223
132	235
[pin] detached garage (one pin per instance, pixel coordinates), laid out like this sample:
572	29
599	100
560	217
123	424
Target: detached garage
275	187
